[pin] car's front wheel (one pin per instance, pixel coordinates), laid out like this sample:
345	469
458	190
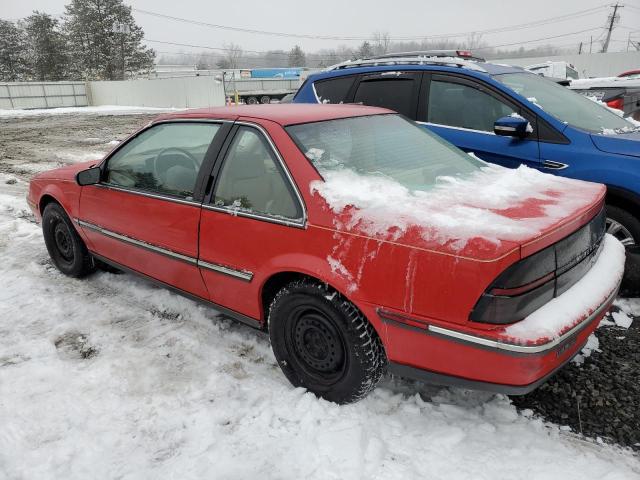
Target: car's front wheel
66	249
323	343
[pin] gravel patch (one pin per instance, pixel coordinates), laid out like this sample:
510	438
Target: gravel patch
600	398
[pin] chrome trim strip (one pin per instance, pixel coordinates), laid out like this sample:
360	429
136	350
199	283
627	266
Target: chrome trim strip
137	243
147	194
241	274
455	128
528	349
266	218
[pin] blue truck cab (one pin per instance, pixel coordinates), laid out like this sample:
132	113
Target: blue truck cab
504	115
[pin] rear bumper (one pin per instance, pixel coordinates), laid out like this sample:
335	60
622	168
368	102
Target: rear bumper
541	361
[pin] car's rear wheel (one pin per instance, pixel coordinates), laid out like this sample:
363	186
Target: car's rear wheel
323	343
623	225
66	249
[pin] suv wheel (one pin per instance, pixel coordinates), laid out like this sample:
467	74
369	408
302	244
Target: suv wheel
622	225
323	343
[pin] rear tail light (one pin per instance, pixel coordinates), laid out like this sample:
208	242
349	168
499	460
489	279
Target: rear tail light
618	103
534	281
464	53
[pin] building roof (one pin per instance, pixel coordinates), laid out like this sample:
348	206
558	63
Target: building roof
284	114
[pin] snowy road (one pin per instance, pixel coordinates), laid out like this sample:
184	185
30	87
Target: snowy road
110	377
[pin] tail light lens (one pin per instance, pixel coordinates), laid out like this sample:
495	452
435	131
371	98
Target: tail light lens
618	103
533	281
464	53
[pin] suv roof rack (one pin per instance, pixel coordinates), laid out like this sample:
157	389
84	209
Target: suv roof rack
427	57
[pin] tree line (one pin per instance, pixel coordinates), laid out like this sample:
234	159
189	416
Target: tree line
94	40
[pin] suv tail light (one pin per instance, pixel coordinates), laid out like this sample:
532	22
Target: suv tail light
616	103
464	53
535	280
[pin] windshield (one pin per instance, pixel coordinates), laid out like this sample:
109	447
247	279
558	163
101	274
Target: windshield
385	145
567	106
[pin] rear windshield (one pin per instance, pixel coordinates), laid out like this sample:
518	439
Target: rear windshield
567	106
386	145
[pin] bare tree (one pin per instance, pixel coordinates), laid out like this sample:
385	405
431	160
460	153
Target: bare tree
233	54
381	41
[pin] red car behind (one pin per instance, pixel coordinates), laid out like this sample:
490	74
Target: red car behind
361	242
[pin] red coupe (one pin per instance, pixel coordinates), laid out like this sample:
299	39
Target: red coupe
361	242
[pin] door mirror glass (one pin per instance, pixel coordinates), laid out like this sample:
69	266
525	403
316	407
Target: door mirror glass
512	126
90	176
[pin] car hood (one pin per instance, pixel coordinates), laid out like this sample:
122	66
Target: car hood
494	213
622	143
68	172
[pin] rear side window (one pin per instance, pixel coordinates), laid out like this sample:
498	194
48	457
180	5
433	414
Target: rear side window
334	90
463	106
392	93
252	181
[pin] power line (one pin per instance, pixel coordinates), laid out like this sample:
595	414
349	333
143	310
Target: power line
258	52
569	16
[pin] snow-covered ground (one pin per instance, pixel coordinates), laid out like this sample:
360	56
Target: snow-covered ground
110	377
97	110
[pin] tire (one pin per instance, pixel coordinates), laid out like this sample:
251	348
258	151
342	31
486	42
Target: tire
323	343
66	249
251	101
265	99
623	225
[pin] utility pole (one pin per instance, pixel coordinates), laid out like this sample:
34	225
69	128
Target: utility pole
580	49
591	44
613	18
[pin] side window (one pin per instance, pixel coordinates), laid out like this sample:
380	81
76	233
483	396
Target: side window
395	93
464	106
334	90
165	158
252	180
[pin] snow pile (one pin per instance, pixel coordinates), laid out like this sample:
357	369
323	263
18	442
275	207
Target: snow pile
592	345
110	377
97	110
563	312
456	209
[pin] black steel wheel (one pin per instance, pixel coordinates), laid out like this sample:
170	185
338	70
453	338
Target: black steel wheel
324	343
66	249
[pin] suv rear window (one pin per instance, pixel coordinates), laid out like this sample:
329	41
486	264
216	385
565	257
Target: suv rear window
392	93
334	90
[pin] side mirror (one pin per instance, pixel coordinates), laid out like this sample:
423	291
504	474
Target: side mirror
512	127
90	176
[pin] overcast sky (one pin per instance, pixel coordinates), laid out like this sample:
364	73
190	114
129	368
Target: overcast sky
359	18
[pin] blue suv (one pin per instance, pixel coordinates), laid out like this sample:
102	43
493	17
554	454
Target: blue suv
503	114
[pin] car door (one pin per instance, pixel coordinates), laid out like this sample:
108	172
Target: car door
144	213
463	111
395	90
254	215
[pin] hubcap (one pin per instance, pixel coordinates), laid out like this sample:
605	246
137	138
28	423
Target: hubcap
317	344
64	243
620	232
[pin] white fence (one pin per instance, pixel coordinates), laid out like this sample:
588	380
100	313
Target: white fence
183	92
588	64
43	95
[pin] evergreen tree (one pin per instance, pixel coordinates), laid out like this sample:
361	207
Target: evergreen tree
365	51
14	65
297	58
47	47
105	42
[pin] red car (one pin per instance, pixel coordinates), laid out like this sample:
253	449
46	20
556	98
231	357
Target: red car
360	241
